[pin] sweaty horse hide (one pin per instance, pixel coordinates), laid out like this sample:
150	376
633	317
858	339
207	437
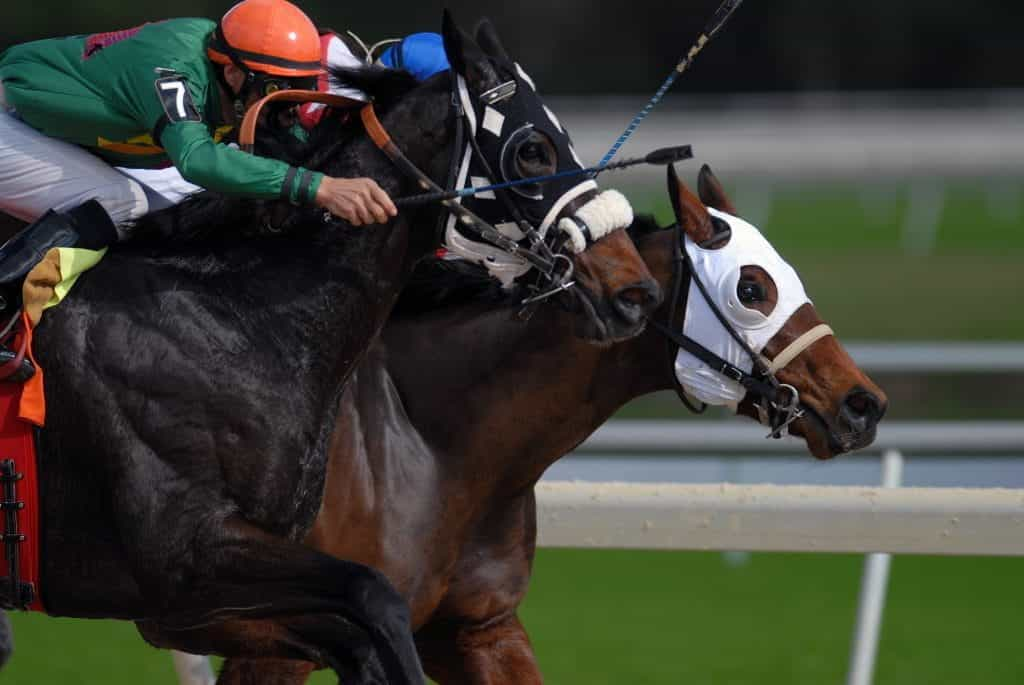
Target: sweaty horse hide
443	432
193	389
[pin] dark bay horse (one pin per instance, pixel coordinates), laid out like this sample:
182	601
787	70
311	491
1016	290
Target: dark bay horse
193	390
456	413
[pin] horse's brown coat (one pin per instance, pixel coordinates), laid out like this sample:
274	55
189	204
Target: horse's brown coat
444	431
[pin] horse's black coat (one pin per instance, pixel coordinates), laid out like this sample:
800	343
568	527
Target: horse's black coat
191	391
193	388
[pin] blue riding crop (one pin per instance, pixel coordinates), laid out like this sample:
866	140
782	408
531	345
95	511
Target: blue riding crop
719	19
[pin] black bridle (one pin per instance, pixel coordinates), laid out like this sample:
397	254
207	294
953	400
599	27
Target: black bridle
778	403
551	280
470	220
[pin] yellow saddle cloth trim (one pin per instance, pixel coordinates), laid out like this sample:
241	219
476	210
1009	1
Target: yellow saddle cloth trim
50	281
74	261
46	285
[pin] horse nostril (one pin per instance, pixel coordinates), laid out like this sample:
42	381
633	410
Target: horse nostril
637	300
861	410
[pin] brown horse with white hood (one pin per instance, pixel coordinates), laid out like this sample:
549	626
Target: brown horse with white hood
454	416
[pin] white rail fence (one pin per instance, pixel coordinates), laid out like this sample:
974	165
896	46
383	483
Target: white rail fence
781	518
724	437
795	518
939	357
818	136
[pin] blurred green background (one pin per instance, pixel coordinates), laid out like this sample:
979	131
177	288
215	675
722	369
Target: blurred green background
627	46
667	618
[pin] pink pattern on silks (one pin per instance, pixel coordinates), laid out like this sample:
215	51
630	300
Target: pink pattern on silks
99	41
311	113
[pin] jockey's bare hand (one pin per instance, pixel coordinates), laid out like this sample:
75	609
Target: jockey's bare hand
359	201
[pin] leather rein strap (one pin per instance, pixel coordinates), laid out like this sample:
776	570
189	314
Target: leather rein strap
247	134
380	137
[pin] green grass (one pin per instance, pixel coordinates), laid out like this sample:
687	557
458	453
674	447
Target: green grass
652	618
656	618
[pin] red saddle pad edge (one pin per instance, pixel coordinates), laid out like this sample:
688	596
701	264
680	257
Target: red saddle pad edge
17	442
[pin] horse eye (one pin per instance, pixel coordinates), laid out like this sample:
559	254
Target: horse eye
532	153
534	156
750	292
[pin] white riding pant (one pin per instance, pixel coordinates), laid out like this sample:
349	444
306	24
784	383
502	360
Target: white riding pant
39	173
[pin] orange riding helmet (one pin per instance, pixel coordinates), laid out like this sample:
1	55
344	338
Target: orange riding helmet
271	37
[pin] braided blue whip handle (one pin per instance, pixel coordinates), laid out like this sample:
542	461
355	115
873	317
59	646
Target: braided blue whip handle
714	26
635	124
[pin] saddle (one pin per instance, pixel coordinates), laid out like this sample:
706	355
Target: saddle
22	414
22	411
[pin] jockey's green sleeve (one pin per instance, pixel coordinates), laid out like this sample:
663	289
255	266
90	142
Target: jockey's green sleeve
145	97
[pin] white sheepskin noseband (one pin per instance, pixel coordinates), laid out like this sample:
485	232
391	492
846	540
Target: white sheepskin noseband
607	212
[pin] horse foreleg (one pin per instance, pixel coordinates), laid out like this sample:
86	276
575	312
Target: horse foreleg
263	671
495	654
264	648
330	611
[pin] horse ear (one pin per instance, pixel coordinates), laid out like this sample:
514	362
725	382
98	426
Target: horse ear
712	193
489	42
691	213
466	57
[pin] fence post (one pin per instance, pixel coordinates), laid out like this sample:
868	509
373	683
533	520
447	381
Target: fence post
872	592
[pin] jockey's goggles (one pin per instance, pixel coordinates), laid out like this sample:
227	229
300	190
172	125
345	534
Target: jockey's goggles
265	84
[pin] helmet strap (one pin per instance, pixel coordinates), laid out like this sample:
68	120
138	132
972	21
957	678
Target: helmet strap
221	44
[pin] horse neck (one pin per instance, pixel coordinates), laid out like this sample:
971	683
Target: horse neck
421	126
500	400
340	283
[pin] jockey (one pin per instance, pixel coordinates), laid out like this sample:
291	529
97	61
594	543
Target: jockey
159	95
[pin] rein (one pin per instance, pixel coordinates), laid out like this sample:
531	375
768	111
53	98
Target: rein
541	259
778	404
659	157
247	132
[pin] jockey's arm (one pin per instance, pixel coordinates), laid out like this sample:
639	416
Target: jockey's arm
228	170
179	128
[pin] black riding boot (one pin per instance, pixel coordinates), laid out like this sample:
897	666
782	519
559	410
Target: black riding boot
88	226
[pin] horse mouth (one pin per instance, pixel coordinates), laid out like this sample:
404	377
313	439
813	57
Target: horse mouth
601	323
826	441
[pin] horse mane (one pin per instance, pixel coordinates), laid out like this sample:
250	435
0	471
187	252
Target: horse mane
385	86
448	283
212	217
644	225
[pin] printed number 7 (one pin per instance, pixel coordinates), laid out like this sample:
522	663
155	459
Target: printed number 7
179	99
